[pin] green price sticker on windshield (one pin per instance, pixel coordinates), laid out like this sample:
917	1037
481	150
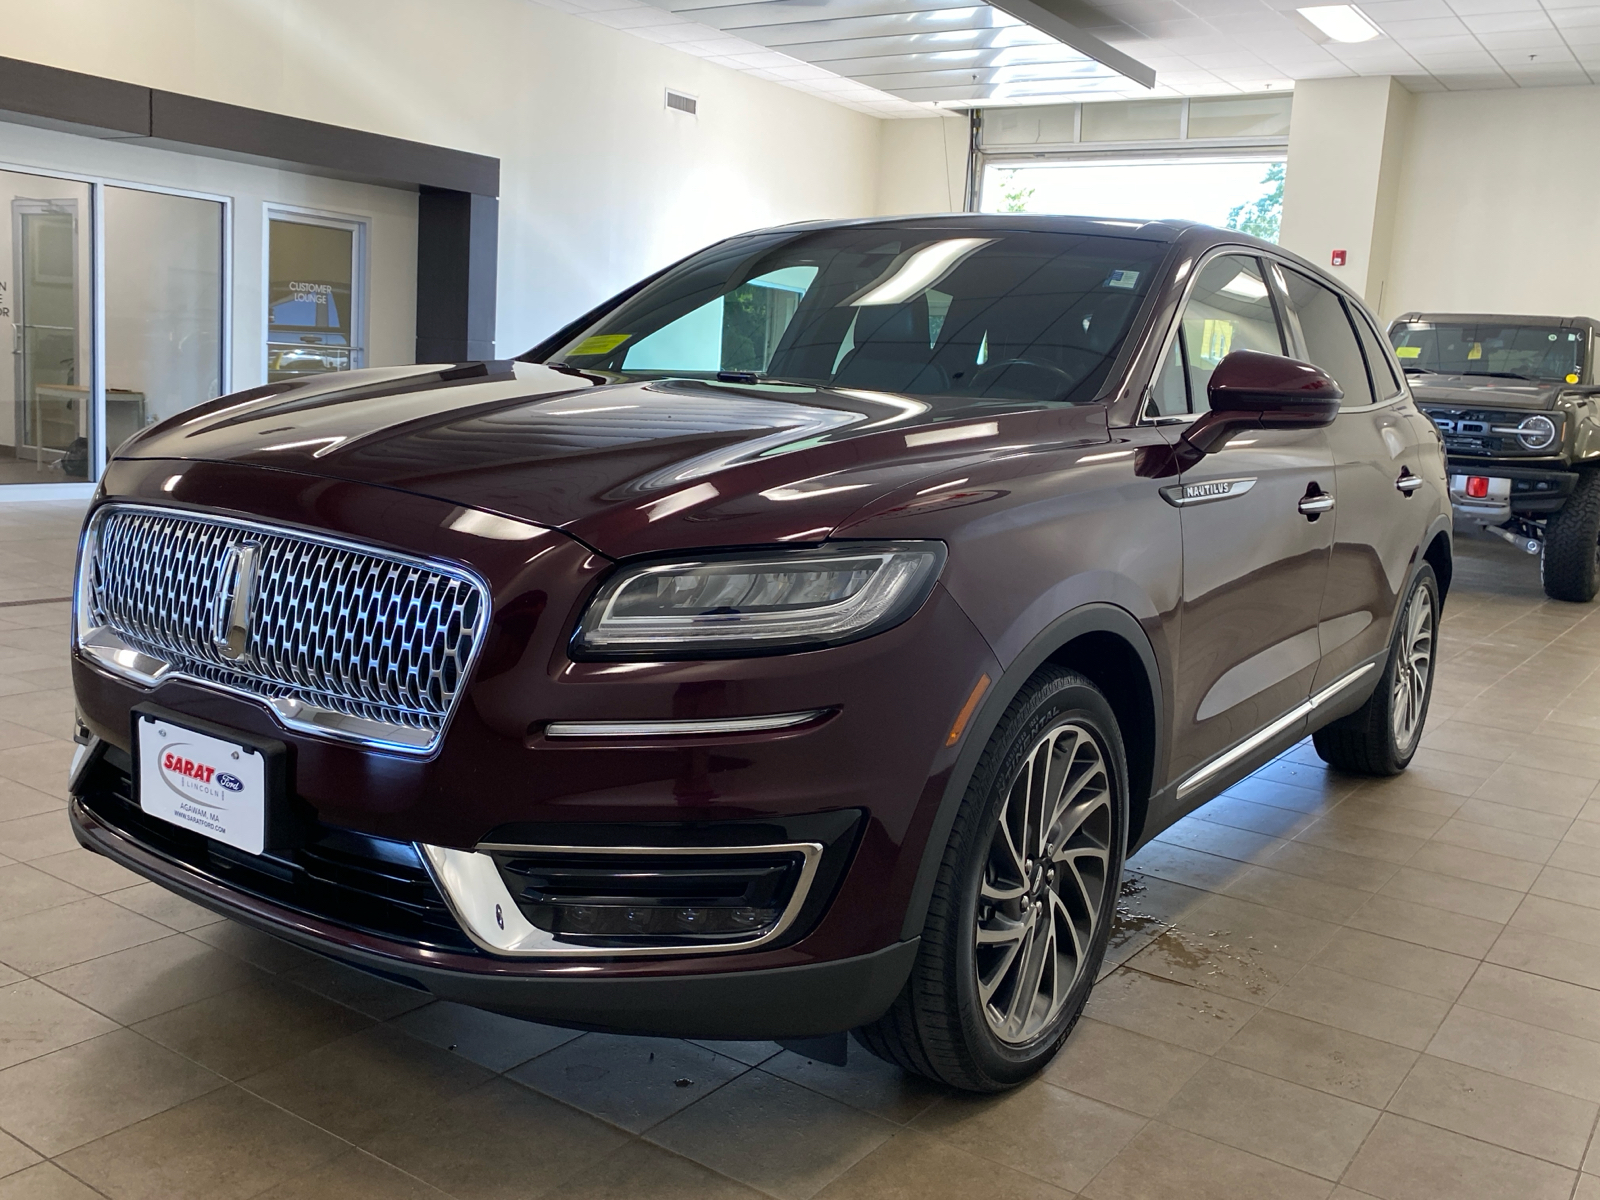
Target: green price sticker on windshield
1408	351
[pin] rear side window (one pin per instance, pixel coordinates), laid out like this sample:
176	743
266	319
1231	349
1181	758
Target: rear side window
1229	309
1384	380
1330	339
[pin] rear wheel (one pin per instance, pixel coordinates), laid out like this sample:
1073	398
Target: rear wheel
1381	736
1023	903
1572	544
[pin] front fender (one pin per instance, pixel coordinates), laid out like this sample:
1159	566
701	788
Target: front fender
1087	619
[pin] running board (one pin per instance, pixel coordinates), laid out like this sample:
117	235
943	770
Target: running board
1264	735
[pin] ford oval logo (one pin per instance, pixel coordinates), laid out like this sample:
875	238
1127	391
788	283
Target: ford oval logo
232	782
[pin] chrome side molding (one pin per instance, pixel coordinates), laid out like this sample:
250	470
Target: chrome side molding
472	886
685	728
1262	736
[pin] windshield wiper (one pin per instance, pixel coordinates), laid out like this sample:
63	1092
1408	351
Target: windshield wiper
1419	370
1499	374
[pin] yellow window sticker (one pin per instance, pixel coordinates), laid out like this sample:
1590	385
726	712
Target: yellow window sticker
1572	377
601	343
1216	339
1408	351
1476	352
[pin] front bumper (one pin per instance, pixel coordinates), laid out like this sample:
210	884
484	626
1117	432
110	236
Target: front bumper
808	1000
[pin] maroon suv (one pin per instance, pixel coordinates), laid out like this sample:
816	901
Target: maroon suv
797	643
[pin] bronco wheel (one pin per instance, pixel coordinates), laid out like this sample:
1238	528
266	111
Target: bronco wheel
1571	562
1025	896
1381	736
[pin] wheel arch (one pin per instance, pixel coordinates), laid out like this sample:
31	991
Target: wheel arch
1106	644
1441	558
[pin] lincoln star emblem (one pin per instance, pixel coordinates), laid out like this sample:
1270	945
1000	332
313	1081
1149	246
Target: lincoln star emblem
230	613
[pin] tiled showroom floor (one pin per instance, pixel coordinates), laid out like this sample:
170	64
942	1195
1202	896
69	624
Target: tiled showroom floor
1328	987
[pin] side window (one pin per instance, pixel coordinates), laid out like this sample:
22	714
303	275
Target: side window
1384	380
1330	339
1170	395
1229	309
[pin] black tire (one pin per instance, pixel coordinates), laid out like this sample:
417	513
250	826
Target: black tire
940	1026
1571	562
1368	742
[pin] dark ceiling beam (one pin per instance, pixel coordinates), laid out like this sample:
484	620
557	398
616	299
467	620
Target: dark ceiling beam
34	94
1042	17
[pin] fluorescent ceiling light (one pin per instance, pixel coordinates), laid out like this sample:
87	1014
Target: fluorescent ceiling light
1341	22
921	270
1246	287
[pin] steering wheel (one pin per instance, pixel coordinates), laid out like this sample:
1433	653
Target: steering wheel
1050	378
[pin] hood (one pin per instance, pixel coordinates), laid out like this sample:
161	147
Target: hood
625	467
1479	391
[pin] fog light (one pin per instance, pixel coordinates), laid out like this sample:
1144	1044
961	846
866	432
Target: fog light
624	921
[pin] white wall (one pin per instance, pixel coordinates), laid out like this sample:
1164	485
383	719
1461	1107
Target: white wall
600	182
1499	204
922	166
1485	201
1346	148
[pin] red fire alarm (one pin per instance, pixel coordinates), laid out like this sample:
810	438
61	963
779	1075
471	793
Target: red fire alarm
1338	258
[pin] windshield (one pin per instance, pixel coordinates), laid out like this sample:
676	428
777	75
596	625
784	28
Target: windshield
1010	315
1481	348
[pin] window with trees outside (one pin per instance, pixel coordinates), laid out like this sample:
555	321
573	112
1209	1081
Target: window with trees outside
1217	160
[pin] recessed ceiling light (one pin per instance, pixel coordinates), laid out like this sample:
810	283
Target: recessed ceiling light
1341	22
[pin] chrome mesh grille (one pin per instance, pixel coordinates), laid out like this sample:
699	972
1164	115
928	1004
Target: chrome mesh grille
359	632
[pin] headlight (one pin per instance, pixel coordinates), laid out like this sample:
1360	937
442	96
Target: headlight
1536	432
762	603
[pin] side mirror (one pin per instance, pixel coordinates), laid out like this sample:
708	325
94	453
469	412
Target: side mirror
1251	390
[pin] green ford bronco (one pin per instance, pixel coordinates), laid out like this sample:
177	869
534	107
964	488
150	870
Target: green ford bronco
1518	402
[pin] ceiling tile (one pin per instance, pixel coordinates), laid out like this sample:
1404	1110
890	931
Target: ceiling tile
1508	22
1383	11
1424	27
1463	43
1575	18
1528	40
1471	8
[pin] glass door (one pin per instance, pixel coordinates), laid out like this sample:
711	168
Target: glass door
164	308
314	295
45	295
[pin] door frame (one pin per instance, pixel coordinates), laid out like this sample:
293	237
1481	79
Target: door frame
21	207
301	215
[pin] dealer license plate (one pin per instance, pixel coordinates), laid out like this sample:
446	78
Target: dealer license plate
203	783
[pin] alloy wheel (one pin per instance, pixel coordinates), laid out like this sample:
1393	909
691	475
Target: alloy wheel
1412	670
1044	890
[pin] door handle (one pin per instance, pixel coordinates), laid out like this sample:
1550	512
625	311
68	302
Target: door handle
1314	504
1407	483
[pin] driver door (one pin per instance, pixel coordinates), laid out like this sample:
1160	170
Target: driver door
1256	540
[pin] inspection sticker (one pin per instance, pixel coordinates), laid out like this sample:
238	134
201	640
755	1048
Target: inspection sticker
1123	279
600	343
203	783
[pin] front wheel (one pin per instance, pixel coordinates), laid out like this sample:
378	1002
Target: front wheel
1025	896
1571	563
1381	736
